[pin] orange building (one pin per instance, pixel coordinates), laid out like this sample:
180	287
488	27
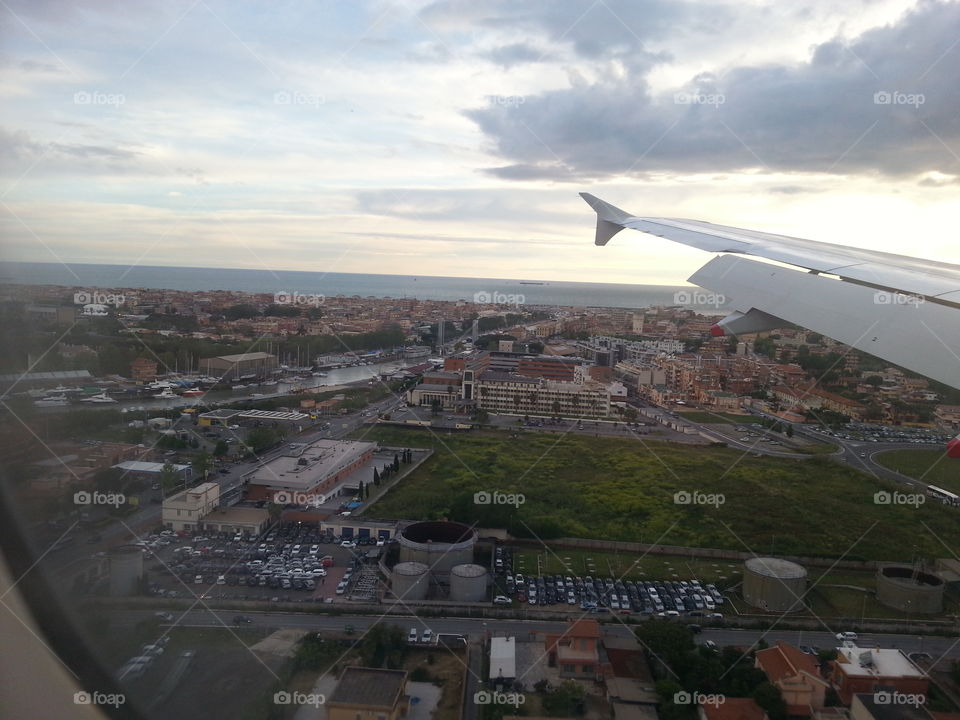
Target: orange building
576	651
796	674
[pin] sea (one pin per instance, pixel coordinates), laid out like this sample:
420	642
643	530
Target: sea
506	291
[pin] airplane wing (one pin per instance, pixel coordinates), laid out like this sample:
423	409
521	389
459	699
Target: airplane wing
903	309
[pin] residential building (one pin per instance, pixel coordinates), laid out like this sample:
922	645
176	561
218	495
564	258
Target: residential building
186	509
867	670
796	674
732	708
368	694
576	652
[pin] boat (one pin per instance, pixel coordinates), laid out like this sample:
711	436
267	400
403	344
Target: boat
269	383
192	393
166	394
318	374
99	398
257	395
52	401
239	387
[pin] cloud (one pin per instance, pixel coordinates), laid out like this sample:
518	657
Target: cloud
885	102
520	53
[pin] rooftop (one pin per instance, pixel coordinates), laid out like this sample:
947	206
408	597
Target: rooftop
369	687
303	468
141	466
244	357
875	662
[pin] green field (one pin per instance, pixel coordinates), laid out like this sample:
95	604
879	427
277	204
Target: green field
623	489
932	466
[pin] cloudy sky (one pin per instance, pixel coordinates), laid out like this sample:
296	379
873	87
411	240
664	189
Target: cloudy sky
451	137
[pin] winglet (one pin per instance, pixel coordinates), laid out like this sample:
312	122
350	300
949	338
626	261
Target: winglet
610	219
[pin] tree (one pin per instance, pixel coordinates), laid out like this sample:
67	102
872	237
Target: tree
221	448
202	464
360	490
260	439
169	477
376	477
789	430
565	700
769	698
384	645
396	463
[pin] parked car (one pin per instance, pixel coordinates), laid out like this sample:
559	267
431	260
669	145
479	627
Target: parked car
501	600
412	635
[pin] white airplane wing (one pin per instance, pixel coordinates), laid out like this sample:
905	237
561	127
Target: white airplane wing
902	309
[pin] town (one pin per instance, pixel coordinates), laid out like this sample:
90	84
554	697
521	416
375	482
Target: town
344	484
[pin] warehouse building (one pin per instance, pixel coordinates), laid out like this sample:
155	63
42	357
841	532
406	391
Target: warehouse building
244	366
308	474
187	509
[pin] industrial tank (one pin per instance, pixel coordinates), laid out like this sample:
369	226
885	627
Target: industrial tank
410	580
774	584
468	583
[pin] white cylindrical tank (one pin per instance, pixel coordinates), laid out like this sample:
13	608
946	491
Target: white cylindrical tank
126	570
410	580
774	584
468	583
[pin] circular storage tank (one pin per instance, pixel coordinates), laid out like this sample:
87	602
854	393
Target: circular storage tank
909	590
126	570
410	580
468	583
774	584
438	545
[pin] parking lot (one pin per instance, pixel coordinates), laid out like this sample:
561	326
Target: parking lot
294	563
604	595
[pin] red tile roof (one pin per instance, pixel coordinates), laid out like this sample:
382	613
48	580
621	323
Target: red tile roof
734	709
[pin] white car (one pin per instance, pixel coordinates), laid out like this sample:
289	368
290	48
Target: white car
348	544
381	542
427	636
846	636
501	600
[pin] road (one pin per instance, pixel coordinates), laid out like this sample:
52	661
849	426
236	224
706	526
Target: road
475	629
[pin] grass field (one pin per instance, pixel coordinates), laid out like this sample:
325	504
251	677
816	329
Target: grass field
932	466
624	489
